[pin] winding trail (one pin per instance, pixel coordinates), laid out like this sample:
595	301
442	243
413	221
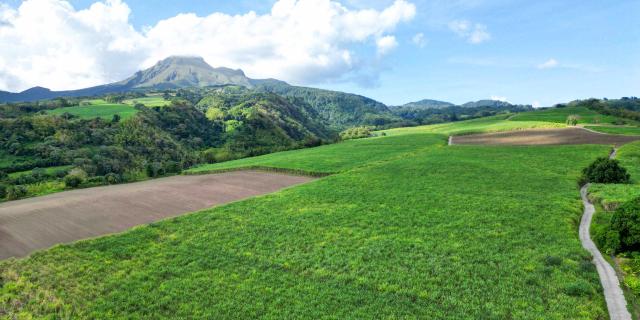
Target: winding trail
616	303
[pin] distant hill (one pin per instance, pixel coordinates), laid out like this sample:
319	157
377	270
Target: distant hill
486	103
338	109
427	104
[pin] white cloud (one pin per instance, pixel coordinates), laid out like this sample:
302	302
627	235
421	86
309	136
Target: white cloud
551	63
386	44
419	40
499	98
536	104
49	43
473	33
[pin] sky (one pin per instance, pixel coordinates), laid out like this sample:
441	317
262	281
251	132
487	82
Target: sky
395	51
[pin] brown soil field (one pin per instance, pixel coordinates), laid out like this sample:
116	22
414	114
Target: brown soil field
544	137
36	223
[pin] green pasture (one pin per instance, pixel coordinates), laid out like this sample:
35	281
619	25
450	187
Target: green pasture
150	101
625	130
105	111
407	228
481	125
559	115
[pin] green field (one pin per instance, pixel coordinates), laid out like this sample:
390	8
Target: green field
490	124
408	228
631	131
100	110
152	101
559	115
333	158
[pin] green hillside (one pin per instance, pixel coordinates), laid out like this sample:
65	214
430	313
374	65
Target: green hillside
97	110
559	115
625	130
150	101
402	233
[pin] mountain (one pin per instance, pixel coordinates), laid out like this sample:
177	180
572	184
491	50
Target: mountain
426	104
486	103
171	73
180	72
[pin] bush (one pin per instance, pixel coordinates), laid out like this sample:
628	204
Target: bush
16	192
572	120
73	181
625	226
3	191
75	178
111	178
154	169
605	170
355	133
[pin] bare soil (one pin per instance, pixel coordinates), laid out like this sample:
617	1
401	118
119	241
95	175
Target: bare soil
544	137
36	223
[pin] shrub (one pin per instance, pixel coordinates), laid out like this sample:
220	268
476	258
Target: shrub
75	178
355	133
3	175
73	181
605	170
16	192
572	120
154	169
3	191
111	178
625	223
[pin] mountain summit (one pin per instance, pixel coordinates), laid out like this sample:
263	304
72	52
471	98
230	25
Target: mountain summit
179	72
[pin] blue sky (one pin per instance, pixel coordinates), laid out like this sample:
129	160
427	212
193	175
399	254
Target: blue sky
531	52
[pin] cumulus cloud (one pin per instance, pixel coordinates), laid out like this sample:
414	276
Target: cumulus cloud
386	44
473	33
419	40
551	63
49	43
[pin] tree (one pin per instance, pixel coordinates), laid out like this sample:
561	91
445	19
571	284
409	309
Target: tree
625	222
605	170
116	118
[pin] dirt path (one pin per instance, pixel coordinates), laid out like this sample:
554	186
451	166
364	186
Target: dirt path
36	223
544	137
613	294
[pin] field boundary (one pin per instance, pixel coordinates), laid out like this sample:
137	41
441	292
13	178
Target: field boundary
297	172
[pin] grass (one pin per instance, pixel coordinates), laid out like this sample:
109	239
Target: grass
482	125
332	158
409	228
151	101
625	130
101	110
559	115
